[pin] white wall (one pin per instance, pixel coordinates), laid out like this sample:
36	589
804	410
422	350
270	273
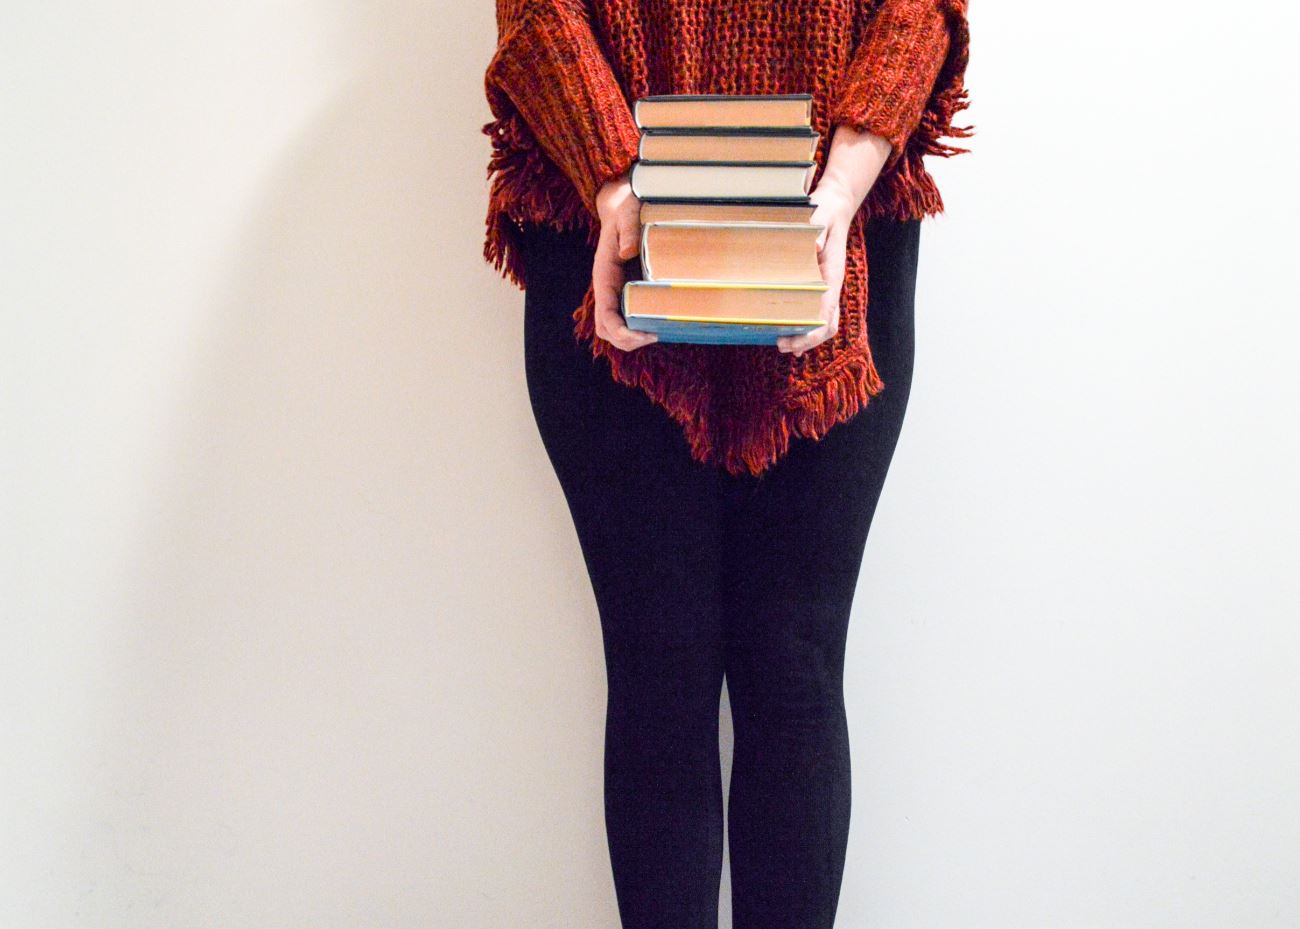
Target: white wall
296	631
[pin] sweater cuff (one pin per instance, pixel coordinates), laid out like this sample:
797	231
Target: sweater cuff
550	67
893	71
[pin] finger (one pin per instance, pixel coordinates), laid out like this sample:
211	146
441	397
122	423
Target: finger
832	256
617	332
606	274
798	344
629	235
830	262
631	343
830	311
607	280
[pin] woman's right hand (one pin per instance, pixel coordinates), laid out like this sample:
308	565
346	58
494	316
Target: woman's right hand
619	241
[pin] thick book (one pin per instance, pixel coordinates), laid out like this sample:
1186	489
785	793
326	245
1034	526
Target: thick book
740	252
721	312
723	110
732	180
748	143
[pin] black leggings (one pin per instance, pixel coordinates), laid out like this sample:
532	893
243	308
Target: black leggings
698	573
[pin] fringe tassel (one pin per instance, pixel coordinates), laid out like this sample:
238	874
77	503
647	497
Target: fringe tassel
675	376
810	414
525	187
908	191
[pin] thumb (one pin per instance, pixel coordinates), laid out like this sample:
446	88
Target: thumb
629	235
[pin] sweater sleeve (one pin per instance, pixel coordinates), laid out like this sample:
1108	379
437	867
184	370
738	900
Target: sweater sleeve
907	69
549	66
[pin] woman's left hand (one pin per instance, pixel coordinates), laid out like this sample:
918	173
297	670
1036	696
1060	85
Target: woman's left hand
834	208
854	162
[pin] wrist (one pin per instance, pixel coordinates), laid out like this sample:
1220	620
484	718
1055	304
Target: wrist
855	159
615	186
834	193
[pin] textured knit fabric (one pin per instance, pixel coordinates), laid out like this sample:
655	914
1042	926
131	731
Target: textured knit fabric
560	87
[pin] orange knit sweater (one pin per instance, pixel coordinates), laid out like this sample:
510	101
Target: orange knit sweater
559	88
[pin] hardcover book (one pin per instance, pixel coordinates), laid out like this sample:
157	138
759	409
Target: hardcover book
710	209
743	143
725	180
728	251
779	253
723	110
721	312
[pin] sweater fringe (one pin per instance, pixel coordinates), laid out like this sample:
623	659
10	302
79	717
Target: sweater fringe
833	399
908	191
525	186
739	446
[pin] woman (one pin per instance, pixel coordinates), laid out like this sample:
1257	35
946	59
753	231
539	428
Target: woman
721	494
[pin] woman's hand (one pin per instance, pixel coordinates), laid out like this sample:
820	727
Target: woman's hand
619	241
835	209
852	166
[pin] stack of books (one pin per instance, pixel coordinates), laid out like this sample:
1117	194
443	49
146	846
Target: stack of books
728	252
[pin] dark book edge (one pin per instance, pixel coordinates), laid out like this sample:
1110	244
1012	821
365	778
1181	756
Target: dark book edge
794	96
730	164
799	200
798	132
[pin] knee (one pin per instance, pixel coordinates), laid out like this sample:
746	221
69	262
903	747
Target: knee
793	693
661	733
663	700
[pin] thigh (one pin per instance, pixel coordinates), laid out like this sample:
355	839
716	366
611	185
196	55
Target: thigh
646	513
597	432
797	533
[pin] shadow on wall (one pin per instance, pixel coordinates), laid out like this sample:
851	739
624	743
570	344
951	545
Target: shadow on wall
346	701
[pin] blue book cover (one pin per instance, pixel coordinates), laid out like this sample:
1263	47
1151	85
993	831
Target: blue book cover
686	329
753	320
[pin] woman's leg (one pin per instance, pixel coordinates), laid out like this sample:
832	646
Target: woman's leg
795	542
647	519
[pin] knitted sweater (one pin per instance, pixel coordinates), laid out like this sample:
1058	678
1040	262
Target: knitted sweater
559	88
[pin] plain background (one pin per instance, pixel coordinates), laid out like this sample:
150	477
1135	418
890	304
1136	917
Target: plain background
296	631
